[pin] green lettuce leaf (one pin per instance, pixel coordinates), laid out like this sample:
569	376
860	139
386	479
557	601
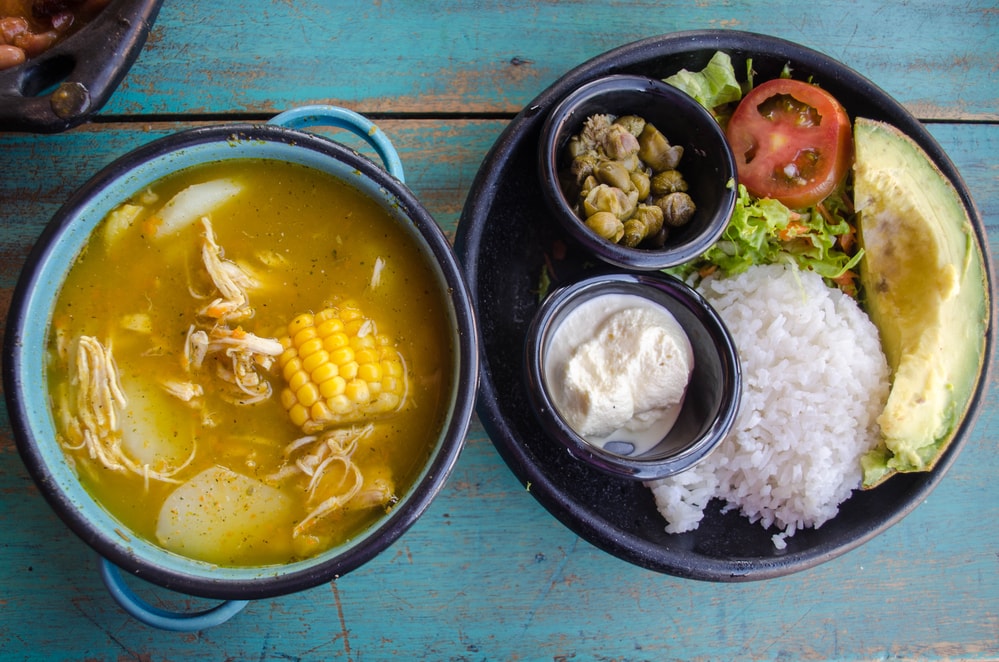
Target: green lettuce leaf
764	231
713	86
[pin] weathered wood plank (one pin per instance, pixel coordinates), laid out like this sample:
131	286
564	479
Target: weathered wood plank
409	56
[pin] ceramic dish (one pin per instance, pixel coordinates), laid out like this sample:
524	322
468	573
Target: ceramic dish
505	238
711	398
707	164
71	81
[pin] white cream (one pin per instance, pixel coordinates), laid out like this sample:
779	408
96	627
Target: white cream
618	368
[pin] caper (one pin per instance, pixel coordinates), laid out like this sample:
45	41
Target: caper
678	208
606	225
668	181
624	181
577	147
613	173
610	199
656	151
646	222
618	143
583	166
640	180
633	123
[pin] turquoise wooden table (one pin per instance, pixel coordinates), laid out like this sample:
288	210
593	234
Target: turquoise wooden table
487	573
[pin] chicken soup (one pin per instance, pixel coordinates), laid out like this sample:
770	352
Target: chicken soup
249	362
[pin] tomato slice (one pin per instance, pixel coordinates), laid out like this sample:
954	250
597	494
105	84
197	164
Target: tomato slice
792	142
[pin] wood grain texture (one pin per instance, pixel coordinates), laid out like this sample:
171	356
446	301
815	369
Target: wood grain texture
487	573
409	56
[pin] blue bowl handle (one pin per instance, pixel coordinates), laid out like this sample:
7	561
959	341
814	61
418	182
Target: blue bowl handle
160	618
342	118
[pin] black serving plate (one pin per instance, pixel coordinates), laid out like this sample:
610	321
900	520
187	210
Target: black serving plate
504	239
68	83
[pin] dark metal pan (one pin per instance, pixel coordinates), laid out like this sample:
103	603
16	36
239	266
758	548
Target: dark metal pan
66	84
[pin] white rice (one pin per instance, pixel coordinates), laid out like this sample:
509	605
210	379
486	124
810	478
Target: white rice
814	382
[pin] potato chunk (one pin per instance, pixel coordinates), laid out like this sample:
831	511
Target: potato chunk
224	517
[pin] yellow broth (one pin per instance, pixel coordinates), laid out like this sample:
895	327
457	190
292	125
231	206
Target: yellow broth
311	241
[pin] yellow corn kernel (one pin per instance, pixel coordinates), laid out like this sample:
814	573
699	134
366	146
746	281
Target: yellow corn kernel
308	394
332	387
288	399
299	415
357	327
324	315
320	412
306	334
362	342
298	380
302	321
342	356
386	402
313	361
340	404
369	372
325	372
349	370
335	341
391	384
339	370
392	367
329	327
357	391
363	356
310	346
290	367
349	312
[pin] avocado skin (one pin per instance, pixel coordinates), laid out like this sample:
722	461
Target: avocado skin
924	287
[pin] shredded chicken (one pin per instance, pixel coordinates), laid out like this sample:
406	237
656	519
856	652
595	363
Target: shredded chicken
333	482
98	406
229	279
241	354
185	391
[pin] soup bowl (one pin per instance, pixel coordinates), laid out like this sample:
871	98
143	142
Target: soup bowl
124	553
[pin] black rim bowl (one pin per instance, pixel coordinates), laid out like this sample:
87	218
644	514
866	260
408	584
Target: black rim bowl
26	330
713	393
707	165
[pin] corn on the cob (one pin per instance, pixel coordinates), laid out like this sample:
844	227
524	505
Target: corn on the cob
339	370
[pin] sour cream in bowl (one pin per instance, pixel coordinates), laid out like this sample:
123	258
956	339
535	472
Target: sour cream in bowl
635	375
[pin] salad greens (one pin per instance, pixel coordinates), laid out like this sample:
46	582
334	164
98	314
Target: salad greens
715	86
763	230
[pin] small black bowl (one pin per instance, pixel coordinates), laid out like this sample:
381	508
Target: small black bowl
713	393
707	165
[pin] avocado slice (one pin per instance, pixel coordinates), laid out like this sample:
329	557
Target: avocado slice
924	288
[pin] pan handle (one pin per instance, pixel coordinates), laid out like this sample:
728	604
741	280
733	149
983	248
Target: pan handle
342	118
155	617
